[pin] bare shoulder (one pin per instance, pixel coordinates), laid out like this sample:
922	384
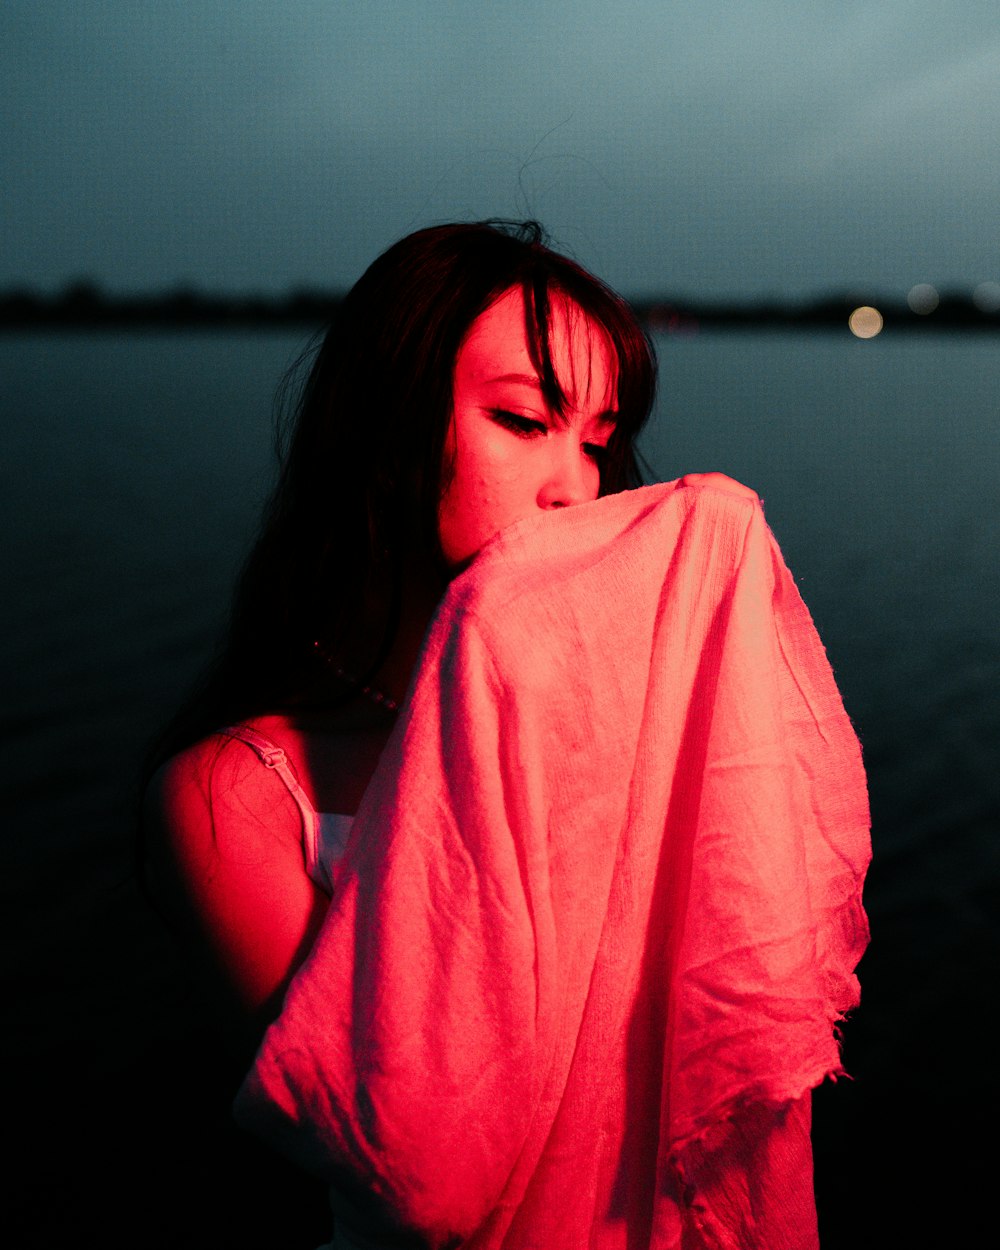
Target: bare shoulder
225	857
720	481
186	777
217	793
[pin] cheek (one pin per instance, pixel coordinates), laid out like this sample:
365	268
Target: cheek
468	513
454	513
481	470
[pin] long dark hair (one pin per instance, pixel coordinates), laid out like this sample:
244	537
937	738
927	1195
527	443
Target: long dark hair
362	474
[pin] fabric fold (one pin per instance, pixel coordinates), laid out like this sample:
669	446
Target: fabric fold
602	895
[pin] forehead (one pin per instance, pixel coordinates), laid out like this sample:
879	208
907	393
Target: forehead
582	354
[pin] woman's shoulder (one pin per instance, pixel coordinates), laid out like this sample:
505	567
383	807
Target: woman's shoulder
224	861
332	755
218	783
214	763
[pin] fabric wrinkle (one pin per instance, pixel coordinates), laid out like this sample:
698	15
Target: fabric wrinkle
600	911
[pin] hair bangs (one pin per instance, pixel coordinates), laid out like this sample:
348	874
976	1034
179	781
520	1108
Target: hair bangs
609	316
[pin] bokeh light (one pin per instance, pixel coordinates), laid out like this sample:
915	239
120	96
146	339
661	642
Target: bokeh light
923	298
986	297
865	322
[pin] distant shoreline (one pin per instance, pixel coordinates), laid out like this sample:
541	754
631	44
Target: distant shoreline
85	307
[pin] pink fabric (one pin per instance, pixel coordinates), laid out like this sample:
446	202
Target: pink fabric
601	906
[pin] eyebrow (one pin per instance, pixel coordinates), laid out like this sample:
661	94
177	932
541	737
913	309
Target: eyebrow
529	379
608	417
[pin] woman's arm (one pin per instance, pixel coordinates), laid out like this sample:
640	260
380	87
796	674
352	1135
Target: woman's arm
225	855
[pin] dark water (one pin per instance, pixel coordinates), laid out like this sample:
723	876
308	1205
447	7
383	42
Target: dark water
132	470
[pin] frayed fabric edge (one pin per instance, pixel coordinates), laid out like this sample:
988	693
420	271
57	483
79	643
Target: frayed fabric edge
677	1156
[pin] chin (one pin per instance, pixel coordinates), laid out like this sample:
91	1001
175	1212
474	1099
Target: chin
461	554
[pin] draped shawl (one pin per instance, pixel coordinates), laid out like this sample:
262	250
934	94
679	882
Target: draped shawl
601	897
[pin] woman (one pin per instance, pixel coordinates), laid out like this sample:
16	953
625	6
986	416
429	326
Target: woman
472	378
475	380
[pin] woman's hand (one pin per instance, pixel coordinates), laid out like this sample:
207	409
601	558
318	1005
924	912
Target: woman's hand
721	481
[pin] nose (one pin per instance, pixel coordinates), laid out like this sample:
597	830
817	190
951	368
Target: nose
571	476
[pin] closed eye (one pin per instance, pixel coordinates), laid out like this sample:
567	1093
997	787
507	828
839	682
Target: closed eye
522	426
525	427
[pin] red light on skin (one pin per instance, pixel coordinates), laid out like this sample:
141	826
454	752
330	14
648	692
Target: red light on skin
512	455
225	844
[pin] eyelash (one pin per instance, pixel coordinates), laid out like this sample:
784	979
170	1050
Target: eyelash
523	427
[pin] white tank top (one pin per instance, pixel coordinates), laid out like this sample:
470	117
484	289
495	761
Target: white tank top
324	838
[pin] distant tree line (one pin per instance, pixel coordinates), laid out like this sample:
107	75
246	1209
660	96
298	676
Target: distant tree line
83	305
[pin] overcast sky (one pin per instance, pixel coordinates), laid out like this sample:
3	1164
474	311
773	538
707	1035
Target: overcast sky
709	148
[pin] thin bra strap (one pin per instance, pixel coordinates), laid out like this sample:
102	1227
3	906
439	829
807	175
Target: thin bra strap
272	756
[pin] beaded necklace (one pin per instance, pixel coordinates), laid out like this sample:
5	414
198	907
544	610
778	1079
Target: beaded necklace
371	692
